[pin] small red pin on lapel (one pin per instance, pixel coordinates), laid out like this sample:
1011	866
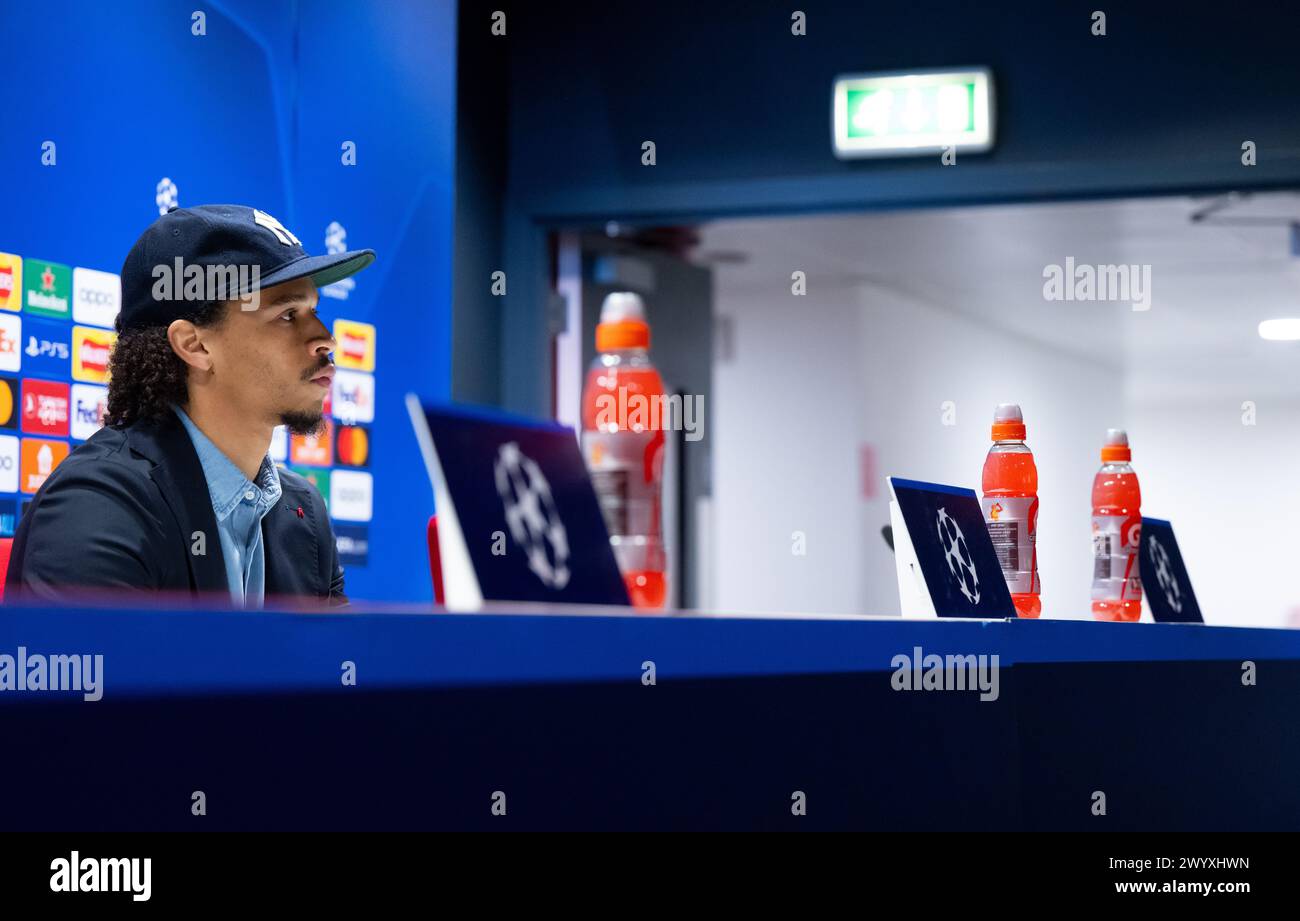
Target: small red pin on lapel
300	511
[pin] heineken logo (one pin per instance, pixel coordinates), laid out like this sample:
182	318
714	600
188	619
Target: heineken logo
50	290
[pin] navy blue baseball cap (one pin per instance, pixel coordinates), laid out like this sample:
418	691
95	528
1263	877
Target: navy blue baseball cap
217	238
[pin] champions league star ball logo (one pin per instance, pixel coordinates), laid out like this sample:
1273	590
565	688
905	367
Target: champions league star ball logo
336	241
1164	574
165	195
336	238
959	562
531	514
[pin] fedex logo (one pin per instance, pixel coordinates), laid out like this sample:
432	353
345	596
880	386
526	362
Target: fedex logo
353	397
88	406
11	339
45	408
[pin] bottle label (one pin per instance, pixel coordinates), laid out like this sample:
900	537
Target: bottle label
626	469
1115	571
1013	525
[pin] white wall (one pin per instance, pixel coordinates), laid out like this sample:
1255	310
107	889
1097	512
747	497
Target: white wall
1232	493
814	378
785	430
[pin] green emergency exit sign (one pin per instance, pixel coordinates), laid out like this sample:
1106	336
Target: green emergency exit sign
912	114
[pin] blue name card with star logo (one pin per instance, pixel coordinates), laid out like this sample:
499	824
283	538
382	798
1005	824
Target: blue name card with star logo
1165	582
944	557
518	519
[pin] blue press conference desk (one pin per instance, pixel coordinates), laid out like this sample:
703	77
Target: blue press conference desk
554	711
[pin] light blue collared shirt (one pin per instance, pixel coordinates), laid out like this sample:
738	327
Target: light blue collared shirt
240	507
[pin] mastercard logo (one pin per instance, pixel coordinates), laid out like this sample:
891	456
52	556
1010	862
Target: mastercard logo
8	390
353	446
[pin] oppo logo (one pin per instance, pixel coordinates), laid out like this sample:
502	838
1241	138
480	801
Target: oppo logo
7	461
98	298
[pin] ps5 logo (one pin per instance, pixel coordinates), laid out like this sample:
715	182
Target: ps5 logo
45	347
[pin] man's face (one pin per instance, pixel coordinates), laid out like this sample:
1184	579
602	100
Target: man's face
273	363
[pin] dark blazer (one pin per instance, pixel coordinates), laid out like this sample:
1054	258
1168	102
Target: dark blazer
125	510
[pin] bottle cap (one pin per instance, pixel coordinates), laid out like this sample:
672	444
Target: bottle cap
622	323
1116	447
1008	423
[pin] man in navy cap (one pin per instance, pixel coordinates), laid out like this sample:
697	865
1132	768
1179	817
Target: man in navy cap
218	343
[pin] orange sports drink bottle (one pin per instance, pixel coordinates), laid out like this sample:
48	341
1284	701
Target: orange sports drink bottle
1116	532
1010	504
623	445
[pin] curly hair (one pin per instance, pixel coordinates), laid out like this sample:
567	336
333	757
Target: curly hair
145	376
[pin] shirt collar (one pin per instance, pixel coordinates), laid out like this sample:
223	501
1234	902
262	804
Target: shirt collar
226	482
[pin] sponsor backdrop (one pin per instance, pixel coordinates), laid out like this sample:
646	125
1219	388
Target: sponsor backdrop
337	119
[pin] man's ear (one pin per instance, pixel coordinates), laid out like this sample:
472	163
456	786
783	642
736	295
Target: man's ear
187	342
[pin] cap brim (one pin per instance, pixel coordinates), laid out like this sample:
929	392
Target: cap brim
322	270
